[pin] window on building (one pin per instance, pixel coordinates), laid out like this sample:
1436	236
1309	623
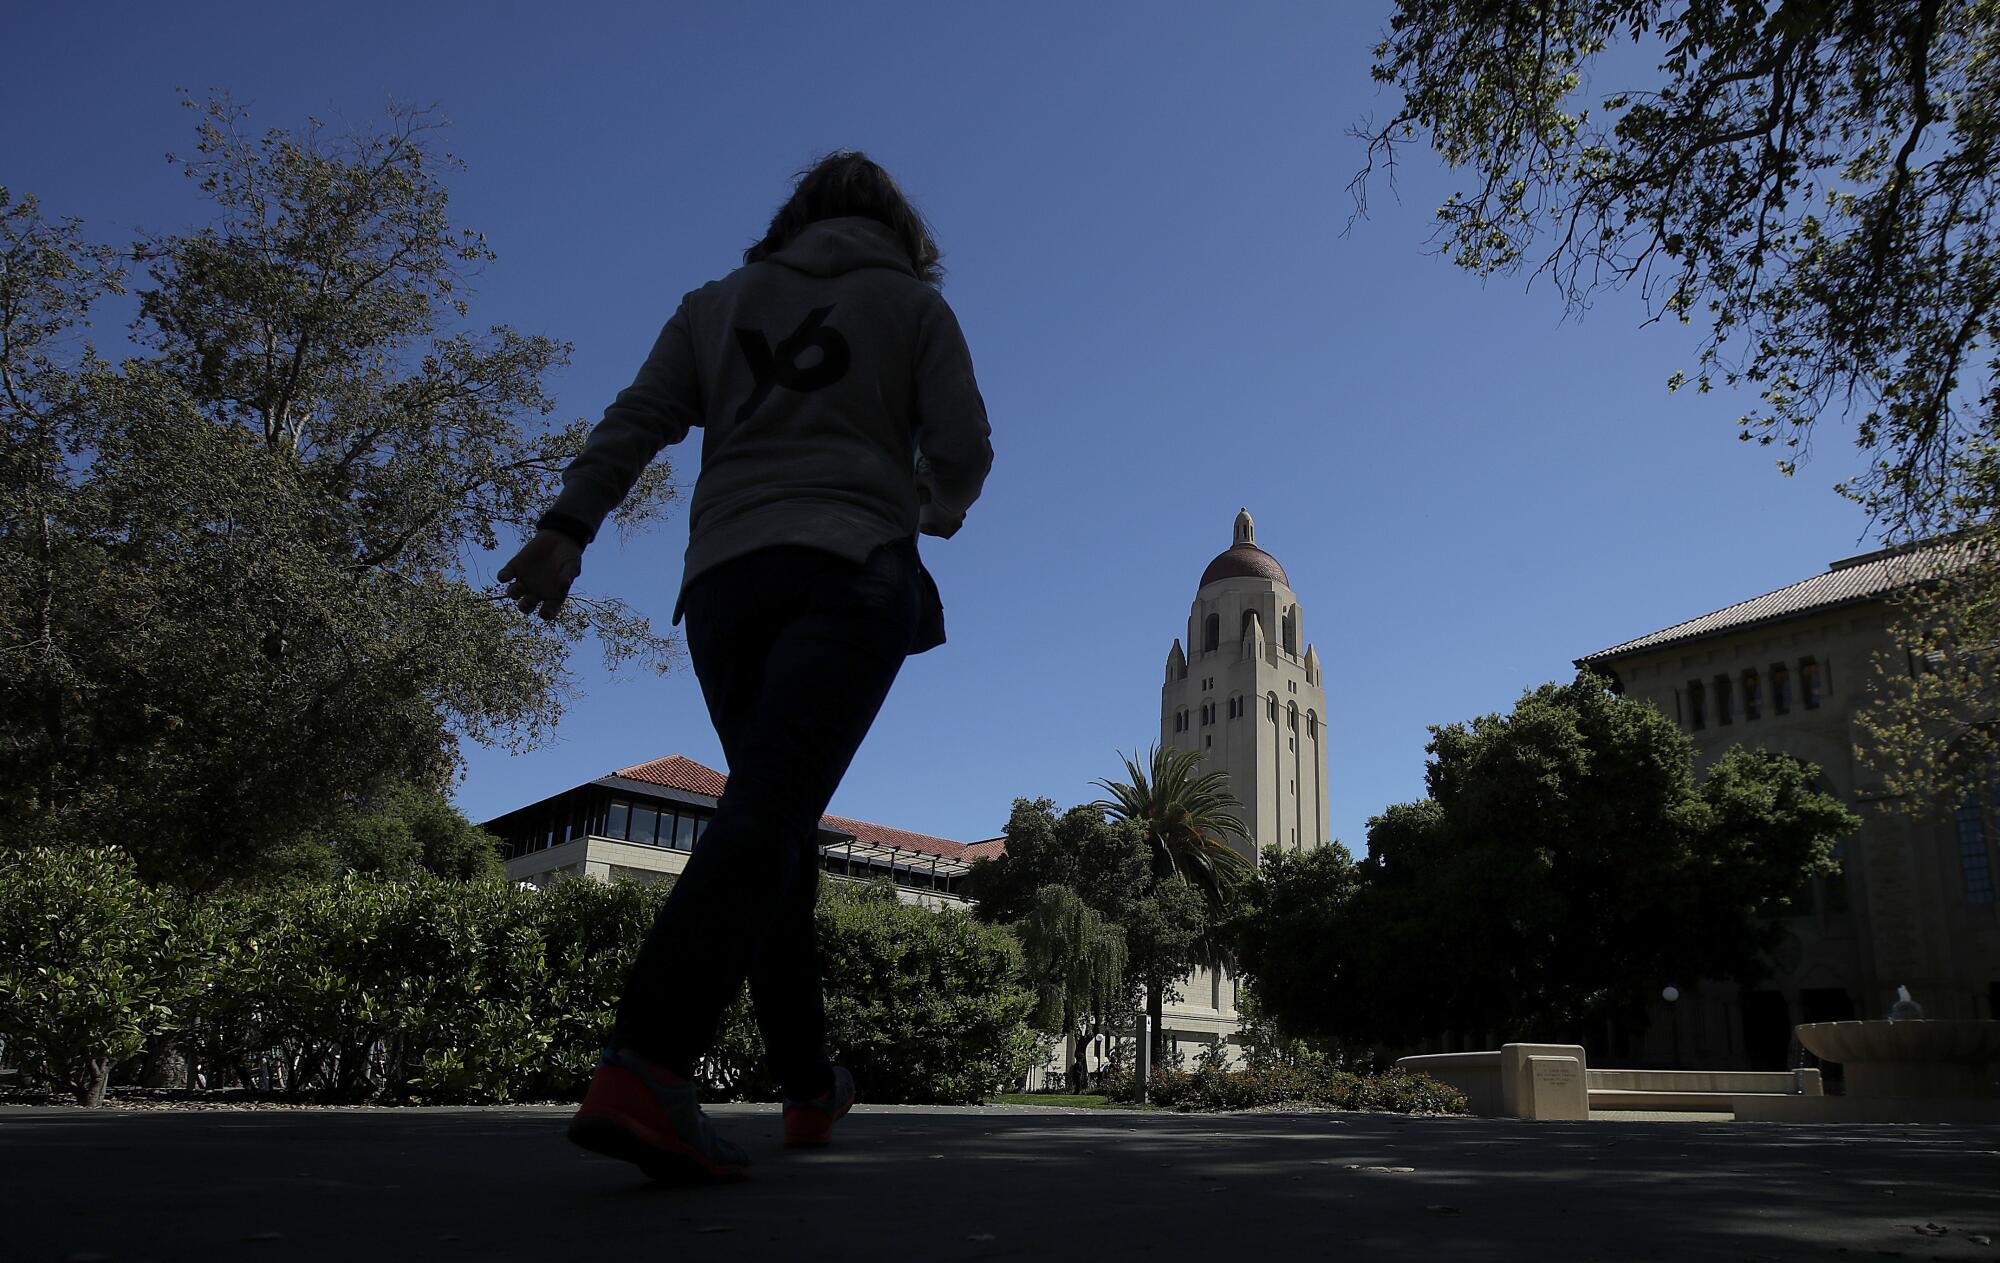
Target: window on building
684	831
1974	860
1243	627
1697	706
1312	724
1809	683
1292	716
1291	626
645	823
1753	702
1781	689
1211	632
1725	710
616	819
1272	707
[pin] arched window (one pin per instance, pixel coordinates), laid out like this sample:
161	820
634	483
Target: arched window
1697	706
1243	627
1781	688
1753	699
1292	716
1809	683
1312	724
1271	702
1291	629
1211	632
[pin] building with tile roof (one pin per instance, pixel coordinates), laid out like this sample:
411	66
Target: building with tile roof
1915	901
640	822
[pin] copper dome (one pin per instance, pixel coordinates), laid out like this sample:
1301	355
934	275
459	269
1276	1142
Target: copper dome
1243	559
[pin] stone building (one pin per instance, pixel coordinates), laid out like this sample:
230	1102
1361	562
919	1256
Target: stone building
1914	903
640	822
1248	695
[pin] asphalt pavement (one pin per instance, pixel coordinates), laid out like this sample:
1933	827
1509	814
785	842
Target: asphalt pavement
988	1184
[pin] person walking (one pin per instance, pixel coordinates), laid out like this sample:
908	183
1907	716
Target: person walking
840	418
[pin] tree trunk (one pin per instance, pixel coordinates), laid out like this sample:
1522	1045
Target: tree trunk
162	1064
1155	1037
92	1080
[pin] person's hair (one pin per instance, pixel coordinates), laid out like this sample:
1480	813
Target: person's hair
850	183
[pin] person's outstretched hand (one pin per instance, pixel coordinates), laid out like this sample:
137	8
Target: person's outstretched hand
539	576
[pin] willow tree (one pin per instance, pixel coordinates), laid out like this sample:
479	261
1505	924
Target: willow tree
1075	961
240	592
1813	184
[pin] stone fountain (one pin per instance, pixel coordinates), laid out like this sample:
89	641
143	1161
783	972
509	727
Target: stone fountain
1908	1068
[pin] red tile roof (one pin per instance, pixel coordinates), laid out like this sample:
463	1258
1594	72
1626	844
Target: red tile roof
883	835
677	772
682	773
990	849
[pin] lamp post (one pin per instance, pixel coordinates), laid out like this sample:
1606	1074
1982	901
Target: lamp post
1672	994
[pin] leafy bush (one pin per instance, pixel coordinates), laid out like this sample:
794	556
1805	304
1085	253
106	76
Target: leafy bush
83	979
1300	1083
925	1007
432	990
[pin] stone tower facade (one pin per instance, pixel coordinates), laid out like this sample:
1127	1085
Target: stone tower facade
1247	694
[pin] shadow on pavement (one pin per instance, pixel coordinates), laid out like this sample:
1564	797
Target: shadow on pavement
991	1184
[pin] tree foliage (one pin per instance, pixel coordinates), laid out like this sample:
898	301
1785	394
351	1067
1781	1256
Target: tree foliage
1189	817
1076	960
1813	182
1565	865
236	601
412	830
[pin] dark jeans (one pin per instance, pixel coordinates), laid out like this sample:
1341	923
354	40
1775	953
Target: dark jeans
795	650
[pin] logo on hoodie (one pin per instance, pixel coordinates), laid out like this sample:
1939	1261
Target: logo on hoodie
780	366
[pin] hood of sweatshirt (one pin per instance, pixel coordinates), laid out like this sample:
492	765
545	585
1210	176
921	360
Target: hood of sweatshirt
829	247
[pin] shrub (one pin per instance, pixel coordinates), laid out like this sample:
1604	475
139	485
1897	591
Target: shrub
925	1007
435	990
82	975
1299	1083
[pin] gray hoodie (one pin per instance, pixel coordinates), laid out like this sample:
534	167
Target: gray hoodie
836	399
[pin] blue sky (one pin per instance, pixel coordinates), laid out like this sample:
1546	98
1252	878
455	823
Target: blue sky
1142	209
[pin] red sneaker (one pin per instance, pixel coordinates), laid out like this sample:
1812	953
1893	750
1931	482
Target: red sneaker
647	1115
809	1123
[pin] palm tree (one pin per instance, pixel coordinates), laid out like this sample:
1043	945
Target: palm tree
1188	817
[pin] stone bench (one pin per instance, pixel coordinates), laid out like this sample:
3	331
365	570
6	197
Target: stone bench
1517	1081
1552	1081
1714	1091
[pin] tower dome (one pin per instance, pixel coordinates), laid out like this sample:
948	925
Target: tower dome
1243	559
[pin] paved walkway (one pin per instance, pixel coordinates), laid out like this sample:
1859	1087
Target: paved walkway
988	1184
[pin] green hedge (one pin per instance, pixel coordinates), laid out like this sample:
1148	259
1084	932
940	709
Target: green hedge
1214	1089
440	991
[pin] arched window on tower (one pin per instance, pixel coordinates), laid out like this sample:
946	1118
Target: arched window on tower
1291	630
1271	707
1292	716
1312	724
1243	626
1211	633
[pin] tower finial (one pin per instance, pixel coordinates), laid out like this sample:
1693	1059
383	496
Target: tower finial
1246	529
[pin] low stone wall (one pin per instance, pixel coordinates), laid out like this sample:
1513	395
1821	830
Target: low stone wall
1552	1081
1545	1081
